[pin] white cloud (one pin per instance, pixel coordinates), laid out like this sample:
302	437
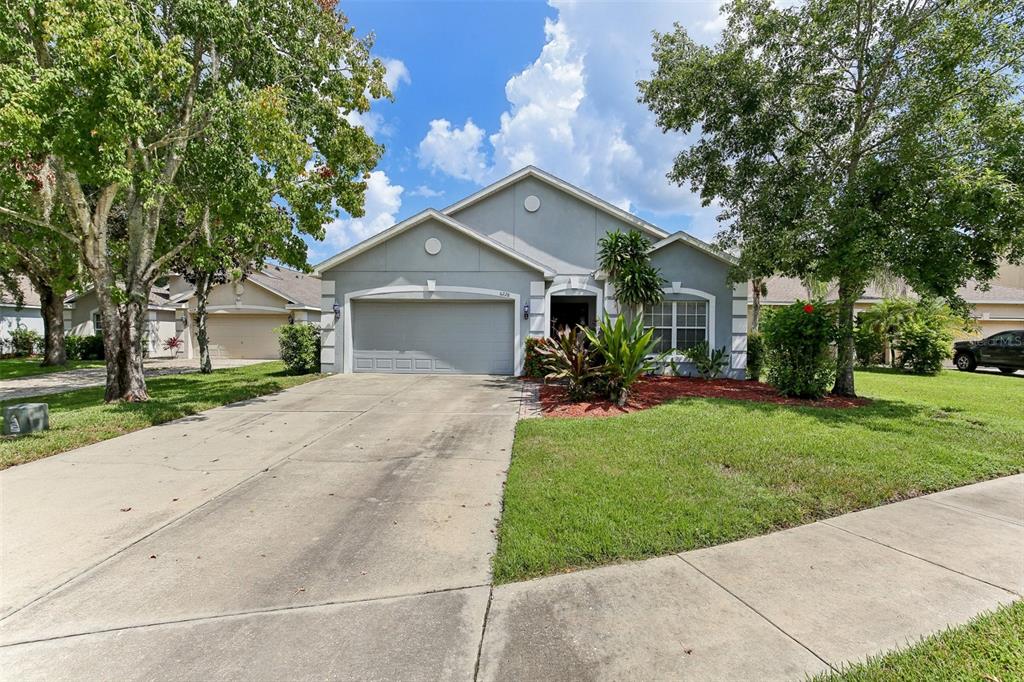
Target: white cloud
424	191
574	111
383	201
372	121
396	73
455	151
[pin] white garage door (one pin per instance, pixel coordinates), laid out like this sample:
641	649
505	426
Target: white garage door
432	337
244	336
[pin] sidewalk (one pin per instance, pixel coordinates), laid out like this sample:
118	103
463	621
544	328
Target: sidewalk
57	382
777	606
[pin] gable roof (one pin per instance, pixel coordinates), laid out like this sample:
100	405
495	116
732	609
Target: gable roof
558	183
785	290
421	217
298	288
29	295
698	244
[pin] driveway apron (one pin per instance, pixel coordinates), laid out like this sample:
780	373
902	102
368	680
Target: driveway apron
340	528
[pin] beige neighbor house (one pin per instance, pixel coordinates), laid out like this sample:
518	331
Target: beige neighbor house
241	318
996	309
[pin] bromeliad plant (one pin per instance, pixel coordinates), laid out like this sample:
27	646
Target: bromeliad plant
627	352
709	363
570	357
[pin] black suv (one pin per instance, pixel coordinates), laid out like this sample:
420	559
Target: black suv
1004	350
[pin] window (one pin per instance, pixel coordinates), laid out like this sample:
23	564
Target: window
677	324
97	323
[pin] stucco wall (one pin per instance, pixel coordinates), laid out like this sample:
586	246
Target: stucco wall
562	234
11	318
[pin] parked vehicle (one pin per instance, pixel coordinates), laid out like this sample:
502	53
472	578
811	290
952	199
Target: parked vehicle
1004	351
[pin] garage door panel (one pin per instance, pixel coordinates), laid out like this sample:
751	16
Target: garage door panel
245	336
442	337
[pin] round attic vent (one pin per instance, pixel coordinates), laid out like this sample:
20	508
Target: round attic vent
432	246
531	203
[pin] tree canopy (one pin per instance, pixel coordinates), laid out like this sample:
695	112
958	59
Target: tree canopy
850	138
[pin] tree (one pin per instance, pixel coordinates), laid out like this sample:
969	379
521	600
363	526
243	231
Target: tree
150	80
48	261
856	137
624	258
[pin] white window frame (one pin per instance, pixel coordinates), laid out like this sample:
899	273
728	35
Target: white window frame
97	322
675	327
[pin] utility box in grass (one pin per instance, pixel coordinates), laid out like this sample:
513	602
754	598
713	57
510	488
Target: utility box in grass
26	418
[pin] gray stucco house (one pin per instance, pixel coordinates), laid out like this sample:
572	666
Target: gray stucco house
460	290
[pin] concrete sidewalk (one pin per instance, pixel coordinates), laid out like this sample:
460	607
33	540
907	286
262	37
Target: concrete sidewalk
777	606
69	380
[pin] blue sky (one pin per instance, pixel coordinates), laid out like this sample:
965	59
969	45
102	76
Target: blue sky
483	88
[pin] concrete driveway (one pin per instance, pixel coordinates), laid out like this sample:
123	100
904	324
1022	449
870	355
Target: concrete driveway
340	529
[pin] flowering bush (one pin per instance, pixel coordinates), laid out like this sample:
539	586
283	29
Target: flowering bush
535	364
798	348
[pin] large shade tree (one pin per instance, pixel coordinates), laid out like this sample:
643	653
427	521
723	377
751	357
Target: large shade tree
119	93
848	138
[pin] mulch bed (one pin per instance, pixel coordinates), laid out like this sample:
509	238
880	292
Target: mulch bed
651	391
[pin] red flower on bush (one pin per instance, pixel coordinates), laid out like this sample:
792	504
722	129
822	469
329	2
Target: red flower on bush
808	308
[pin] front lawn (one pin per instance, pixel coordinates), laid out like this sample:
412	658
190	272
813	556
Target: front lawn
81	417
990	647
12	368
699	472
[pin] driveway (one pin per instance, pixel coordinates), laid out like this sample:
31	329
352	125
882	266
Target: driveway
339	529
69	380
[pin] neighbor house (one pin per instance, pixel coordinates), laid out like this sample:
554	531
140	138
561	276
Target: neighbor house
999	307
241	317
460	290
28	315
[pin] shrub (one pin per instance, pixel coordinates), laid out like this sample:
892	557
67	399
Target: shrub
535	365
300	347
84	347
25	341
175	343
709	365
755	356
798	348
868	342
925	340
626	349
571	357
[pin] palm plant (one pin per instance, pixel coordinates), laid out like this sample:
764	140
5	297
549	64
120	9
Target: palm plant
627	350
885	319
571	358
624	258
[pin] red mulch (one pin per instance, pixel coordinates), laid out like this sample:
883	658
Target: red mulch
651	391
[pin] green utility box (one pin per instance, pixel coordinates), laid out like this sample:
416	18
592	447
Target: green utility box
26	418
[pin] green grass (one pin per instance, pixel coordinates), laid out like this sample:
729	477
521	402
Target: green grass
698	472
81	417
12	368
990	647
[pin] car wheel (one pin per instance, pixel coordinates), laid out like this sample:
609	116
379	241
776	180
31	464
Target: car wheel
965	362
1007	370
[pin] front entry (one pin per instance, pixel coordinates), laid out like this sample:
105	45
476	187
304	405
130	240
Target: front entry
569	311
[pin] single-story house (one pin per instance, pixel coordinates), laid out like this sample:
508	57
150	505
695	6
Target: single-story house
999	307
459	290
241	318
28	316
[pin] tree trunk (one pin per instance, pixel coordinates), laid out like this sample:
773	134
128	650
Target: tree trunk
844	385
122	344
52	307
755	313
202	293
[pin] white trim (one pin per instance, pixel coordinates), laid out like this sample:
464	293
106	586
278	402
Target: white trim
558	183
301	306
583	290
698	244
13	306
518	348
241	308
417	219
